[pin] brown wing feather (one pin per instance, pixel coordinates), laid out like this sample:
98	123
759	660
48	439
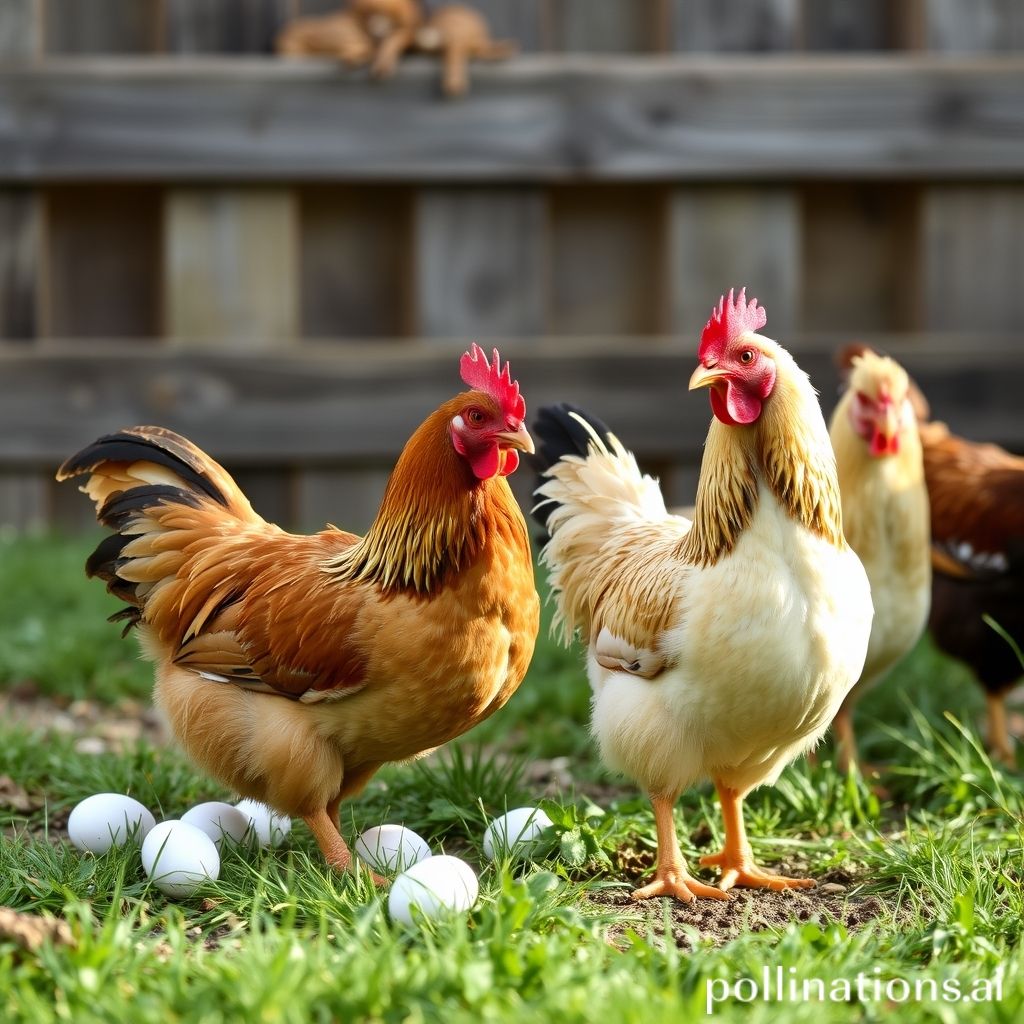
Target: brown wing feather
976	491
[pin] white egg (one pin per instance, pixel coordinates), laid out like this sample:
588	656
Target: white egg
270	828
389	848
108	819
179	857
218	820
436	886
514	831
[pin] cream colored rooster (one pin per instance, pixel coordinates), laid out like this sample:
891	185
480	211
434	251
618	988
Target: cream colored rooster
885	512
720	648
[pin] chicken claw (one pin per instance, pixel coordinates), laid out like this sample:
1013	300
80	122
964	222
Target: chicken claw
671	877
743	872
737	859
676	882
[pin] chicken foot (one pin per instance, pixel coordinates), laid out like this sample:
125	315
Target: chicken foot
332	846
671	876
737	858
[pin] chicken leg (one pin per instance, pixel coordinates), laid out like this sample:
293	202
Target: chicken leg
328	838
737	858
672	877
846	741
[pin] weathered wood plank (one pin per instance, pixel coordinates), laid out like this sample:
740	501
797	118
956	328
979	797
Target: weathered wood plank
722	26
982	26
19	262
859	267
231	266
271	490
356	261
322	405
101	272
345	496
533	119
20	29
225	26
851	24
480	262
102	26
521	20
732	237
606	260
604	26
24	501
972	255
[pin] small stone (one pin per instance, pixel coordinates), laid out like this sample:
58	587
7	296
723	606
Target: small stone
90	745
831	888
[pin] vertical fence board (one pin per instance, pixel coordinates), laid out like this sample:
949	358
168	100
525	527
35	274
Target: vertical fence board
724	237
858	257
346	497
604	26
19	263
355	256
480	262
851	24
224	26
103	257
24	501
521	20
102	26
20	29
271	491
973	257
981	26
606	266
231	266
713	26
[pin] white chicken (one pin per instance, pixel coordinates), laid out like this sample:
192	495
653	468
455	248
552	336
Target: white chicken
720	648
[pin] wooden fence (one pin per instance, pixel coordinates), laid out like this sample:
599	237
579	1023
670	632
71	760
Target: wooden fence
283	260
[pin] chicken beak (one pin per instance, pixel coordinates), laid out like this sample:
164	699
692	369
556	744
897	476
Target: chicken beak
705	376
519	439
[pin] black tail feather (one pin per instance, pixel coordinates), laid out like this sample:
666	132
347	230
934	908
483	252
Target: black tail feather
145	444
557	433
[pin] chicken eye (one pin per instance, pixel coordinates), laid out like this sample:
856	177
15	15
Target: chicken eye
476	417
747	356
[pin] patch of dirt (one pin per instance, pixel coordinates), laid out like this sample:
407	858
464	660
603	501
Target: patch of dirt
749	910
98	728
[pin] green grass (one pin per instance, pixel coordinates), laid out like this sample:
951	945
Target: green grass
279	938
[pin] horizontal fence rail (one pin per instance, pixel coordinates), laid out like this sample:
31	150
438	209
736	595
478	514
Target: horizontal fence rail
539	118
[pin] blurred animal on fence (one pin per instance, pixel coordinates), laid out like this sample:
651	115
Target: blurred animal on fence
339	35
459	34
392	25
885	517
724	646
292	667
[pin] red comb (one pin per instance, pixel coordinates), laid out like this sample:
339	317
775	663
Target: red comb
494	380
729	320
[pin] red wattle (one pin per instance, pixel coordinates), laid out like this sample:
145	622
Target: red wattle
486	464
736	408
